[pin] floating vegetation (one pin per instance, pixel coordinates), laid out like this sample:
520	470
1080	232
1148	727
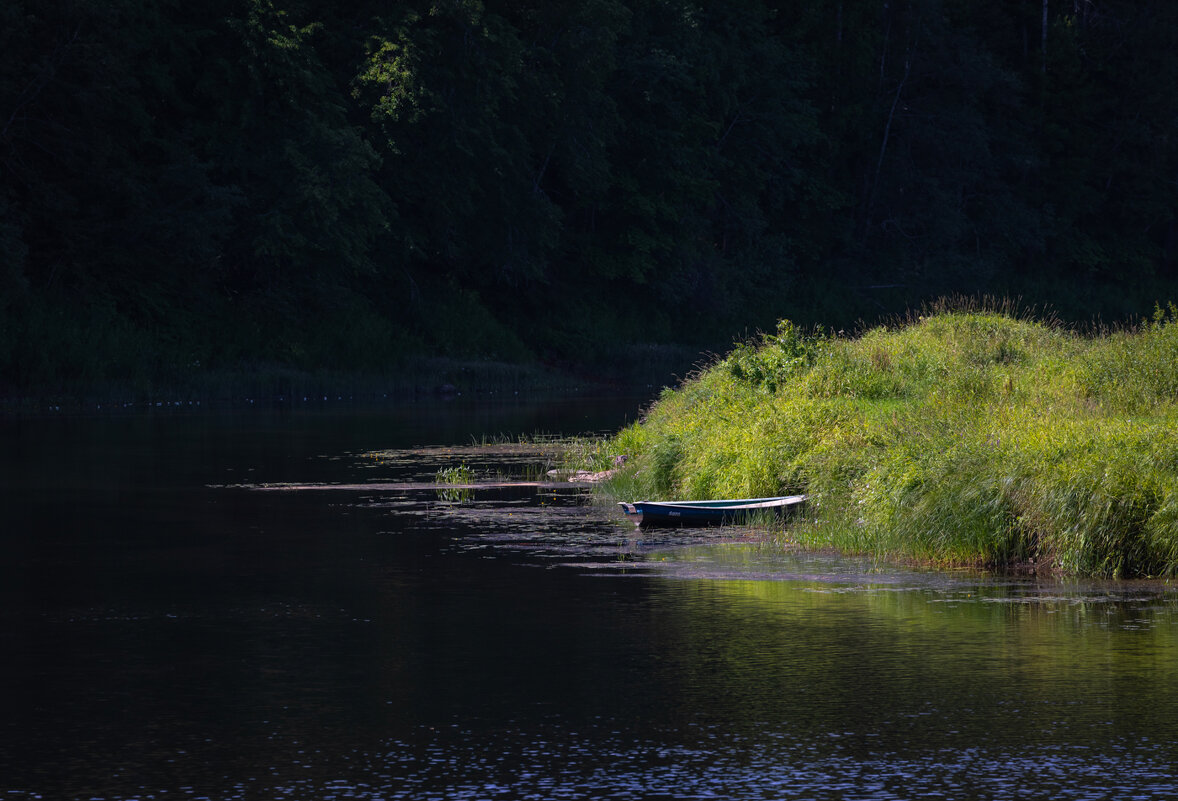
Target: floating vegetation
460	477
460	474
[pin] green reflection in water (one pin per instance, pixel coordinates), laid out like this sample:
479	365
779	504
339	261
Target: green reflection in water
833	647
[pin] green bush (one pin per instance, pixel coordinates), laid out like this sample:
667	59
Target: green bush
958	438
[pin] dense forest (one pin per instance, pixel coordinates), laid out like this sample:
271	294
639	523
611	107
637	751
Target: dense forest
195	186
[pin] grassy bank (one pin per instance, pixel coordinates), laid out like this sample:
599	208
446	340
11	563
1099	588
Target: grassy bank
956	438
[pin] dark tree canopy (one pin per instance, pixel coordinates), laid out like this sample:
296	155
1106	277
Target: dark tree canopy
185	186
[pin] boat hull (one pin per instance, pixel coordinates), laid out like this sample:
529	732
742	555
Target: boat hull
648	514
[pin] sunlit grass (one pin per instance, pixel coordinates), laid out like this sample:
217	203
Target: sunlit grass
960	437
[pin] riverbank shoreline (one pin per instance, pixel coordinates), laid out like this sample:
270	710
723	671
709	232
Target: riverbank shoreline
273	385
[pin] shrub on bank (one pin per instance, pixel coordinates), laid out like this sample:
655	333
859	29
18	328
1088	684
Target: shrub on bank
957	438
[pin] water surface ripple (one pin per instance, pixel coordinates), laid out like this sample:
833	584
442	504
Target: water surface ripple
174	627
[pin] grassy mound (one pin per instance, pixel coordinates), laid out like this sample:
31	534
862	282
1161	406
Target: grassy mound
957	438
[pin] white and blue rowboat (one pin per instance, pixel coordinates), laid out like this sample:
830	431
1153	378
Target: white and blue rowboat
706	513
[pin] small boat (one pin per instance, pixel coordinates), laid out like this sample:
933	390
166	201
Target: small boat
706	513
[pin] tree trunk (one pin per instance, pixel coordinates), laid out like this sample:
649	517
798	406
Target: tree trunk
1043	39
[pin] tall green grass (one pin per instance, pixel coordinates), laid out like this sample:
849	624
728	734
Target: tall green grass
967	436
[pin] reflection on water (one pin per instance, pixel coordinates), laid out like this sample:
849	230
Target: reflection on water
173	629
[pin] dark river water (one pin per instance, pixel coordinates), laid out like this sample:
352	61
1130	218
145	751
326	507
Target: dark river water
281	605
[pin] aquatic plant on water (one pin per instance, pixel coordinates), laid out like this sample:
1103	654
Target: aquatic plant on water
458	477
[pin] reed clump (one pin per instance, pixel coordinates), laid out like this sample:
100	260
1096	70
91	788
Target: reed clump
958	437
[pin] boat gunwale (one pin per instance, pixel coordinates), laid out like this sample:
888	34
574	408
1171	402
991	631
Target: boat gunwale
737	504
